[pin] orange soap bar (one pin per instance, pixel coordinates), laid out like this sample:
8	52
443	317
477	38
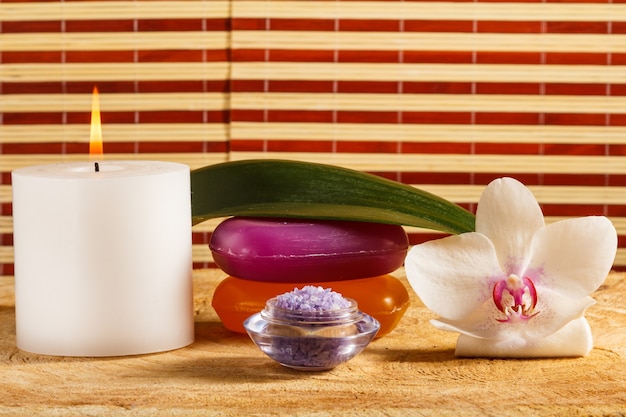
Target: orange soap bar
383	297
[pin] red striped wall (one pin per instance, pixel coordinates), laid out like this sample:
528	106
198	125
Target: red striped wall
441	95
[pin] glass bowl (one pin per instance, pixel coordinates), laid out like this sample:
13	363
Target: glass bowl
311	340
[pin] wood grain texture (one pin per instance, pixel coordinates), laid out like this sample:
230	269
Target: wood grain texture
411	371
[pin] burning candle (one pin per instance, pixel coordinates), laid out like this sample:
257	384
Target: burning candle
102	256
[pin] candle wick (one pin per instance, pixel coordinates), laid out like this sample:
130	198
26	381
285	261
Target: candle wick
97	167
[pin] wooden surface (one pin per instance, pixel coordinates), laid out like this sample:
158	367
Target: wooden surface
411	371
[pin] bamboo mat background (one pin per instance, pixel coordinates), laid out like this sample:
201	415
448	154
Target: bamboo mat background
442	95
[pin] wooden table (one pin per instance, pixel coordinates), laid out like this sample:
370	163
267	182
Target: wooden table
411	371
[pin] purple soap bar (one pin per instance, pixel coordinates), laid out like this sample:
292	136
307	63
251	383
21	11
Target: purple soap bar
296	250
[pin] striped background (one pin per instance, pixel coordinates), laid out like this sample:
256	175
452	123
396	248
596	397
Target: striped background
442	95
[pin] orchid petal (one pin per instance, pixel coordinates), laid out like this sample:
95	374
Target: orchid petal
450	275
509	216
553	313
574	256
574	339
555	310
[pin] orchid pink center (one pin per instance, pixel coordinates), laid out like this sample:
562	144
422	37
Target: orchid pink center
516	298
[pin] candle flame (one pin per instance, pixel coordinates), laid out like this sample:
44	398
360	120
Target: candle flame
95	139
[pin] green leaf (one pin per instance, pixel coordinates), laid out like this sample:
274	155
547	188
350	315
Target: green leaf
294	189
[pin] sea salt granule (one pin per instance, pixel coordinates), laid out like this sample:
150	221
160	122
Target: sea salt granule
312	298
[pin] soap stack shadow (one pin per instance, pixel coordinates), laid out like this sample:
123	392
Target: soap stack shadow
265	257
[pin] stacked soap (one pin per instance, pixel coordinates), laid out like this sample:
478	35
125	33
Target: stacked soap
265	257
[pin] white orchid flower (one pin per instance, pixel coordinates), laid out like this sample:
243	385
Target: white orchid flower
515	287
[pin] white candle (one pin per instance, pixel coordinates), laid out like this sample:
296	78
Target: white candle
103	259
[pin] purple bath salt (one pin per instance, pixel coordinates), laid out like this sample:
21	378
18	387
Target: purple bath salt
312	353
311	329
311	298
317	328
